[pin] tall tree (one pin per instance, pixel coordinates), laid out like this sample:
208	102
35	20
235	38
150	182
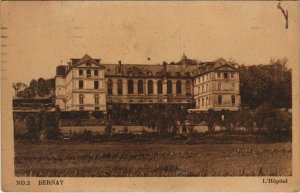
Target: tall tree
19	86
51	85
42	87
266	83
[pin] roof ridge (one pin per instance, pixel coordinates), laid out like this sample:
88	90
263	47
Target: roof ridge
135	64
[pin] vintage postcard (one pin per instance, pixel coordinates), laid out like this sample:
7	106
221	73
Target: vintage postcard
150	96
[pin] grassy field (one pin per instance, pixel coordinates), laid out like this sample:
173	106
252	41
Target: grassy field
73	159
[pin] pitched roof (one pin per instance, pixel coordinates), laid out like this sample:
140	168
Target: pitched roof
184	68
85	59
134	69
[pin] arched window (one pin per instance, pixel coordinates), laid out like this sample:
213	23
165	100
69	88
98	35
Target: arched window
188	88
109	86
81	99
130	86
178	87
150	87
233	99
120	89
140	87
219	99
96	99
159	87
169	87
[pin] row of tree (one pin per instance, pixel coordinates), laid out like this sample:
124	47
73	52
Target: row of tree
43	125
41	87
168	121
264	118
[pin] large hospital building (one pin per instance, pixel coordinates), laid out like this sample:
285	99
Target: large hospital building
87	84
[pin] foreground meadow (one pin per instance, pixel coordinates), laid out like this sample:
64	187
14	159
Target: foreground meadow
74	159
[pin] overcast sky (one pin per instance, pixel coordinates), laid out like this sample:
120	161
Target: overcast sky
41	34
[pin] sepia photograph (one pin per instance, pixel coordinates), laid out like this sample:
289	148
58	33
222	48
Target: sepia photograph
138	90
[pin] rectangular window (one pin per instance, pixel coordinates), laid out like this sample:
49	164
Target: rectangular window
80	84
225	75
219	86
96	84
233	100
80	72
232	74
96	73
219	99
219	74
88	73
81	99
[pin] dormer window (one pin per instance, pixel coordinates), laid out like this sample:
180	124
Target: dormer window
88	73
119	70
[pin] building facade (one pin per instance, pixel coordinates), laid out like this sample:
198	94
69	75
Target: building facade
81	85
88	85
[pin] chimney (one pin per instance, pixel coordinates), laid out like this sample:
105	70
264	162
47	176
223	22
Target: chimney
120	62
165	66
